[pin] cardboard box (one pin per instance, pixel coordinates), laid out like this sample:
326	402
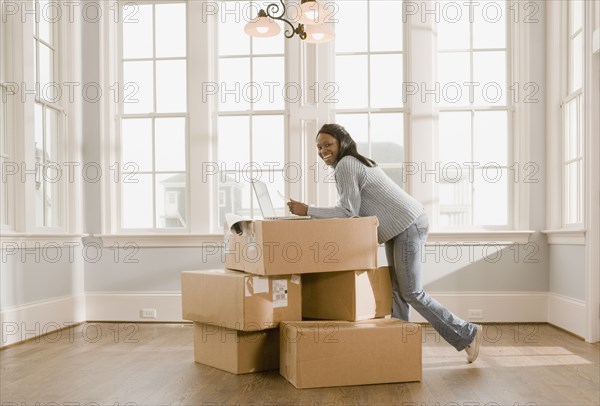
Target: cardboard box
317	354
235	351
350	295
281	247
238	300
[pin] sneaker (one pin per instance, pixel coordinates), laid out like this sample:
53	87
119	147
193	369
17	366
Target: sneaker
473	348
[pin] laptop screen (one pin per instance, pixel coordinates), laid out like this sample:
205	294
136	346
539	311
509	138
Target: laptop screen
264	199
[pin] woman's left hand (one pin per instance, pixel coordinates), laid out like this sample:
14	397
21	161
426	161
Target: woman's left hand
298	208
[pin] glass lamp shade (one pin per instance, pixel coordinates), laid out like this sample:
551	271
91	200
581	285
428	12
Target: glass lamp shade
313	13
262	27
318	34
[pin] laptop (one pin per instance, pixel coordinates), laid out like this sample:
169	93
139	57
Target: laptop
266	204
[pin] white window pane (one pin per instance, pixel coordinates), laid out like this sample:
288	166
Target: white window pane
489	24
387	138
46	12
357	126
234	84
233	143
386	33
136	144
352	78
170	30
571	193
576	14
489	71
267	91
137	31
453	29
4	200
268	141
580	132
136	201
3	122
453	71
171	200
39	133
454	194
232	38
386	81
170	144
39	204
577	63
580	190
53	199
571	150
454	141
235	194
490	138
138	94
171	94
490	197
46	66
351	26
51	136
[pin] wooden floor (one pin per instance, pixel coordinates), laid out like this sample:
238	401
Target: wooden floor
152	364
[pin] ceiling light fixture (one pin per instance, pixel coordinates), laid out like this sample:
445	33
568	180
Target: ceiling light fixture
311	27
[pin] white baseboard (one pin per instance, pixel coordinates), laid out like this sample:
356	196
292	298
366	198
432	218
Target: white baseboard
27	321
126	306
35	319
567	313
497	307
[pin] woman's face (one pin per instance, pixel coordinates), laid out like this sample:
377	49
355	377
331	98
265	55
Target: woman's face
328	148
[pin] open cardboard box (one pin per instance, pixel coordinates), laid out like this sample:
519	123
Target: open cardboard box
282	247
238	300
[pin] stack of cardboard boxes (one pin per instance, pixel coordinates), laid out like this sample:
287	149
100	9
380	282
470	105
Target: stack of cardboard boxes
306	297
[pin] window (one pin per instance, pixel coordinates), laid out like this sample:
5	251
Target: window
250	108
474	136
572	104
369	66
7	185
153	116
49	118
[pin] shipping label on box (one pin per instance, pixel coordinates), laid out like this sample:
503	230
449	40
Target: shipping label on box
349	295
303	246
240	301
235	351
335	353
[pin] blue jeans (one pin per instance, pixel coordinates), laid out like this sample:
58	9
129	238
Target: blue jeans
404	260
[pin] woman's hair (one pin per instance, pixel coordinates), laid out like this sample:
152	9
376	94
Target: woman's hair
347	144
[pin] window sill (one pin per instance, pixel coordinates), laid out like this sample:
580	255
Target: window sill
478	237
160	240
202	240
565	236
28	240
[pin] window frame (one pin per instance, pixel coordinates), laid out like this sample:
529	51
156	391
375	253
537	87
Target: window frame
300	148
577	96
59	67
511	158
116	166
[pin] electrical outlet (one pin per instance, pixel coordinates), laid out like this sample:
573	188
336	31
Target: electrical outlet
475	314
148	313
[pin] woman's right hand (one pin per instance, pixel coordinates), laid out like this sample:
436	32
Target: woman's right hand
298	208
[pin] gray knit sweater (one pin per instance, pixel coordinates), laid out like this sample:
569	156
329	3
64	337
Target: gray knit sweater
365	191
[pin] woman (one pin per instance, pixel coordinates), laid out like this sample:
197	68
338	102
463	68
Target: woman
365	190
